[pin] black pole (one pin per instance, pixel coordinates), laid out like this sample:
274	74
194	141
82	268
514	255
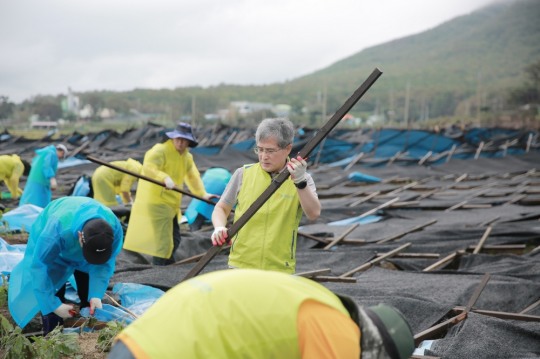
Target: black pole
146	178
280	179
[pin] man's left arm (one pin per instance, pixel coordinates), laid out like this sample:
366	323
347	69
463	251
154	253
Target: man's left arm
309	200
305	187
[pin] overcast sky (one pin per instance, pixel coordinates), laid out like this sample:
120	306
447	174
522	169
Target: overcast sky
48	46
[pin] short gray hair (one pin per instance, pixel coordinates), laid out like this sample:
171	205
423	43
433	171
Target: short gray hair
281	129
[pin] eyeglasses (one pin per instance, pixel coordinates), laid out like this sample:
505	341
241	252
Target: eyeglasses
269	151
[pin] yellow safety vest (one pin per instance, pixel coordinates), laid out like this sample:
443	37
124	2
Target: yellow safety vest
216	315
268	239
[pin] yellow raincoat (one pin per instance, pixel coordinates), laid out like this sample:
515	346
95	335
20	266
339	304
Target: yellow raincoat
108	182
11	170
150	224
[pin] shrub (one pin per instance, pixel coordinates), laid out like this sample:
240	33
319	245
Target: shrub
107	335
13	344
56	345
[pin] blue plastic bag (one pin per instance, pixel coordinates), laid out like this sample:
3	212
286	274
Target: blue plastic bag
137	297
108	313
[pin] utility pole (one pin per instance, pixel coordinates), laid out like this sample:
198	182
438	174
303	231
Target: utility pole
478	94
406	115
193	109
323	115
324	102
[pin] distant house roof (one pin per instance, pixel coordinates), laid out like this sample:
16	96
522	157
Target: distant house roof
44	124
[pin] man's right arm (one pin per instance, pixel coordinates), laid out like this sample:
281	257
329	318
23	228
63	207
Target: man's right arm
223	208
220	216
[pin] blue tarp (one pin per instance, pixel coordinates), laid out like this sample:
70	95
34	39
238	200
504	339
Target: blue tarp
386	143
20	218
353	220
362	177
108	313
10	255
71	162
137	297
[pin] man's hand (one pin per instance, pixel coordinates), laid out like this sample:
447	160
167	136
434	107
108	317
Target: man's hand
95	303
297	168
219	237
65	311
169	183
53	183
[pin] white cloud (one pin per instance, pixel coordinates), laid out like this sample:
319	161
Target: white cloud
119	45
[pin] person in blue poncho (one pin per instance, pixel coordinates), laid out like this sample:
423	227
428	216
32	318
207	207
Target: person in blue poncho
42	177
72	235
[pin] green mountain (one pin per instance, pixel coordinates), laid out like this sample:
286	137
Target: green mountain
475	57
464	67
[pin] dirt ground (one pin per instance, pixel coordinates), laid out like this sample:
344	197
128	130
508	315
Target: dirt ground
87	343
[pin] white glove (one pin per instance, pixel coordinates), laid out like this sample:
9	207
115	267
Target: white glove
53	183
220	235
95	303
65	311
169	183
297	168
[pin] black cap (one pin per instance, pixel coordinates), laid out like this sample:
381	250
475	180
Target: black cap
97	241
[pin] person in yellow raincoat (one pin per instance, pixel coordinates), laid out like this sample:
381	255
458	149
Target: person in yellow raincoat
108	182
153	225
12	168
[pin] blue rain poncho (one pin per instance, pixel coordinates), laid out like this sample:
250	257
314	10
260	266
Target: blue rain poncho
37	190
52	255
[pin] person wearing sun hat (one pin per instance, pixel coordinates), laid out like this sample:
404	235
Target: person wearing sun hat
153	224
42	178
71	236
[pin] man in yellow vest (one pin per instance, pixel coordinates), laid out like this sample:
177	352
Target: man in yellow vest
268	239
153	223
12	168
251	313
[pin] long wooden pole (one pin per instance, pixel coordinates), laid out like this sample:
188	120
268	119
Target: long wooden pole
146	178
280	178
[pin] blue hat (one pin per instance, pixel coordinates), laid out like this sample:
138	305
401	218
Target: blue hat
183	130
